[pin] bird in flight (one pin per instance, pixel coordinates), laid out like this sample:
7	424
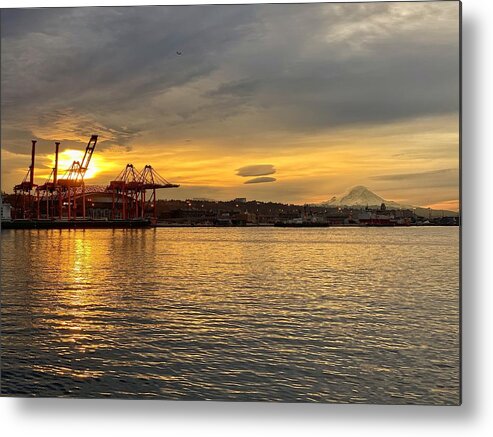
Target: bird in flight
179	53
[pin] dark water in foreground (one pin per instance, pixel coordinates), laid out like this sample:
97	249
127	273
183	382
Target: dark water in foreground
332	314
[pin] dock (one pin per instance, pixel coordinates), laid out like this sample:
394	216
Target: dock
75	224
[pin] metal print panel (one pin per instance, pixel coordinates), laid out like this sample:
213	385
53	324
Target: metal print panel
237	202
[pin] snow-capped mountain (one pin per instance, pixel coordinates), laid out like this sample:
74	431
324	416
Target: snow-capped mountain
362	196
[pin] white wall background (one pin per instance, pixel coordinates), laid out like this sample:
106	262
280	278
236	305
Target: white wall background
52	417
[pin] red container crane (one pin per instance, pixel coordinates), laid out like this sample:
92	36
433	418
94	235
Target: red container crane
152	180
127	188
49	193
23	196
73	180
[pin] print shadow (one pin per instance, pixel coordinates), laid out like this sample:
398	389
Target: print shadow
82	409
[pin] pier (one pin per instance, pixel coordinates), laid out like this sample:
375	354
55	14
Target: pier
66	202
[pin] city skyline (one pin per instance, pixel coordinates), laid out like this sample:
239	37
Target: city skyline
239	101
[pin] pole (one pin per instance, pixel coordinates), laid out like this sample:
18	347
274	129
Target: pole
68	206
154	200
60	204
37	202
113	204
55	170
124	212
83	200
143	202
33	154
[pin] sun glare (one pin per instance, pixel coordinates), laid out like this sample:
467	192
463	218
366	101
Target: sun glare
68	156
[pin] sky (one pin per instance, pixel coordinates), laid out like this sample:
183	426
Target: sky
288	103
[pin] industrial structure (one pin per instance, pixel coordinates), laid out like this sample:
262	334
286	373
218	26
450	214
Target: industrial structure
129	192
24	191
131	197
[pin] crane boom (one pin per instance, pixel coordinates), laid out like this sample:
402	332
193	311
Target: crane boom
28	182
91	145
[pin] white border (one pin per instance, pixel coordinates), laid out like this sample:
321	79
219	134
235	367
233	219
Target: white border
130	418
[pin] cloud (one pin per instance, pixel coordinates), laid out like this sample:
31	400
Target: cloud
360	64
260	180
251	85
407	176
420	188
448	177
256	170
242	66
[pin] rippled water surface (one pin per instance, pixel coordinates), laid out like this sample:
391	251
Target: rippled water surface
329	314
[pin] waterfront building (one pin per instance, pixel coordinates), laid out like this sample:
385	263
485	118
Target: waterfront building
6	211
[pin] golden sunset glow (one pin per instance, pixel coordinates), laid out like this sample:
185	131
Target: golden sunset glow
325	111
232	202
66	157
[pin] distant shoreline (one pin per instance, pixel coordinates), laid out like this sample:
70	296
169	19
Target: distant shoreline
144	224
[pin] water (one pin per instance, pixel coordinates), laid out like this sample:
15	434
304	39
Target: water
328	314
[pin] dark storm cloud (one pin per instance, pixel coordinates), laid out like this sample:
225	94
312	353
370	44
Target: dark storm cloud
260	180
96	69
256	170
358	64
245	70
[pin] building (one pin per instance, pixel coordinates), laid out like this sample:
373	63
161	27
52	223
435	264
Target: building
6	212
103	206
373	218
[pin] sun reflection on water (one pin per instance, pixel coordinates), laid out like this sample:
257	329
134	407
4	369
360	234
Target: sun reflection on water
246	314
